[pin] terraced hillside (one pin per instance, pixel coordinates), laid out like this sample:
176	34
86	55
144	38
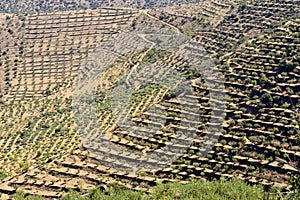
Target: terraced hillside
254	44
54	45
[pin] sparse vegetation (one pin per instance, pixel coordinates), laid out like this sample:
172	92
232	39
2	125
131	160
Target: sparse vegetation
255	44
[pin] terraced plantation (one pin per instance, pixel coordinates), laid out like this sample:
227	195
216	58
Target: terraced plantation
253	44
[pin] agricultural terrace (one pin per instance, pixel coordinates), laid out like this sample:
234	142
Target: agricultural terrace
255	44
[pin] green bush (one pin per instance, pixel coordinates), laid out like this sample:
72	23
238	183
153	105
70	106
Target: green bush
195	189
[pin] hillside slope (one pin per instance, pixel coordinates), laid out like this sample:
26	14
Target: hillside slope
254	44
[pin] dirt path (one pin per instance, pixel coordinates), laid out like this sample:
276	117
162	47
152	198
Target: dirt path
146	12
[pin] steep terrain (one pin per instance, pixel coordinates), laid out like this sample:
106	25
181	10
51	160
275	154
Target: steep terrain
254	44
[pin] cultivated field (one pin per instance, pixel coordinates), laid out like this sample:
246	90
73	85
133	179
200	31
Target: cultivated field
254	44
